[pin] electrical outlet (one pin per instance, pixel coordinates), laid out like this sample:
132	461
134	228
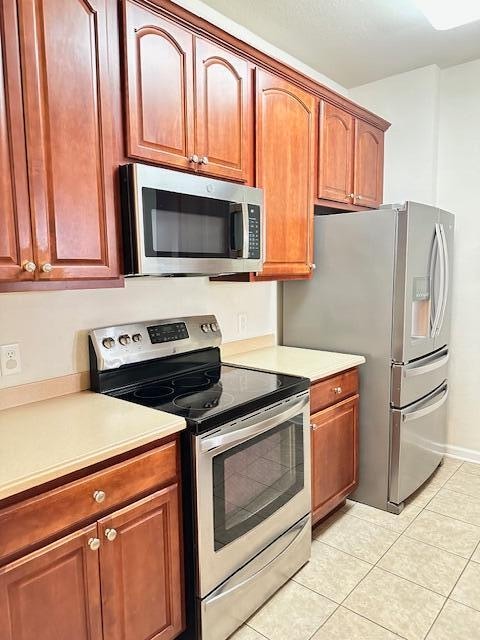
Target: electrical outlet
10	359
242	322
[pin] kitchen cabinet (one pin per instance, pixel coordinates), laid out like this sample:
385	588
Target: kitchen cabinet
334	424
114	570
15	237
350	159
189	102
285	125
68	137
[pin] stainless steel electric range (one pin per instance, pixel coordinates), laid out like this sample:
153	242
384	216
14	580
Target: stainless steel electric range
245	459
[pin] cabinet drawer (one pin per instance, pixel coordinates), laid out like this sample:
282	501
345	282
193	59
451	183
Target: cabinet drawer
27	523
332	390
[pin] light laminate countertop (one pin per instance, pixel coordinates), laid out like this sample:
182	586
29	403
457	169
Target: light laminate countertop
294	361
45	440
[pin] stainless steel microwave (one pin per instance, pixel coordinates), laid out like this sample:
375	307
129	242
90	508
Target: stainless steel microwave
181	224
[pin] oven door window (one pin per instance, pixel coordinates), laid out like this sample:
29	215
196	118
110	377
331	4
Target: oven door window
178	225
254	479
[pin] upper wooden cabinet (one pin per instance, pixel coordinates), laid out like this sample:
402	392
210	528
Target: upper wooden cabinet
368	174
285	169
223	111
350	159
15	233
208	129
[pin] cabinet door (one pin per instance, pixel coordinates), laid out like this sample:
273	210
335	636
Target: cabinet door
141	569
159	83
334	456
368	171
69	137
335	161
285	170
53	592
15	234
224	112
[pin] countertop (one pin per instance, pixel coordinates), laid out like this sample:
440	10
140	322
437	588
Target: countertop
308	363
45	440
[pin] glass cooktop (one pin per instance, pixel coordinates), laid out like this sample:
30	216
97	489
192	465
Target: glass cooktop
220	390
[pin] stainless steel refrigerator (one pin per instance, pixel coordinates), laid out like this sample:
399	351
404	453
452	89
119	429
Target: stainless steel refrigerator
382	288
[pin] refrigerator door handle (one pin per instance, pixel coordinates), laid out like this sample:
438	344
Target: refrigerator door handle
420	413
440	254
426	368
446	282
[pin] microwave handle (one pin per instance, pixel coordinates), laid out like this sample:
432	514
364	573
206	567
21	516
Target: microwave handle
237	230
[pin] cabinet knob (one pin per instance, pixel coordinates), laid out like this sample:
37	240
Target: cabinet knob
47	267
94	544
350	195
29	266
99	496
313	266
359	197
194	158
110	534
337	390
203	160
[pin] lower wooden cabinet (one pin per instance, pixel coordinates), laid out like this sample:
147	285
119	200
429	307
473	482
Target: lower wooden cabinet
334	455
118	577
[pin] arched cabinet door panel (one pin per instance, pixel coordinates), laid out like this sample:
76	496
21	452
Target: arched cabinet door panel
15	234
285	170
368	174
159	88
224	112
335	163
69	131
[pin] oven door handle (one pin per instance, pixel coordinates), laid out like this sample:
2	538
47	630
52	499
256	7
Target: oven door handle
242	434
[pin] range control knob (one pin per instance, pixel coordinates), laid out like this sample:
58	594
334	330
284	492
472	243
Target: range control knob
137	337
125	339
214	326
108	343
205	328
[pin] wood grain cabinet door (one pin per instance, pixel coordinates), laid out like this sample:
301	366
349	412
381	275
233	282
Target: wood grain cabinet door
285	170
368	171
159	83
69	137
334	456
335	161
53	592
15	233
224	112
141	569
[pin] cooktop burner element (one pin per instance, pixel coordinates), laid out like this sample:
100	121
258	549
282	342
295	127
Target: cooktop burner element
182	375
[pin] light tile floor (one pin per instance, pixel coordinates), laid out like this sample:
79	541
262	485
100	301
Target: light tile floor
377	576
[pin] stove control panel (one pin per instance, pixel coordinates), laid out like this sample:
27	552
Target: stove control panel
131	343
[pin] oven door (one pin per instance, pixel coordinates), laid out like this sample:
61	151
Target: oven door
252	484
187	224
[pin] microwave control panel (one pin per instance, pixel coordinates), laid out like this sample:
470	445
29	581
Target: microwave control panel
254	231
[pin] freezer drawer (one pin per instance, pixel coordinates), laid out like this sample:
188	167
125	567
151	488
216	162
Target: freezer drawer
417	443
416	379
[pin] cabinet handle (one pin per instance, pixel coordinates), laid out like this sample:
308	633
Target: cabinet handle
99	496
203	160
110	534
195	159
93	544
47	267
337	390
29	266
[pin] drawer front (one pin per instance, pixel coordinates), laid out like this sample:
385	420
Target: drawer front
332	390
33	520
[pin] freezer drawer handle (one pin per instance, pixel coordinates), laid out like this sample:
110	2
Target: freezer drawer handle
427	368
415	415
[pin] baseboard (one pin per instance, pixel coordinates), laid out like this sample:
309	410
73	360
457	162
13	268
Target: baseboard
460	453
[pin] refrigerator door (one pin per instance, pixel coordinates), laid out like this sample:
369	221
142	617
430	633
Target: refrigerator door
417	444
446	223
417	257
416	379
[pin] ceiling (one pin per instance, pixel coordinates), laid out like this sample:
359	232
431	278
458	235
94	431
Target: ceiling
354	41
